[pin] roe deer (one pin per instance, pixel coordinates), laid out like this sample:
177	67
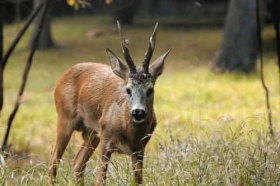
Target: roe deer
112	107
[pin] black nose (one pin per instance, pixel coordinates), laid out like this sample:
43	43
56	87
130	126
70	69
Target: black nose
138	114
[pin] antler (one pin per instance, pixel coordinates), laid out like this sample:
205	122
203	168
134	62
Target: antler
124	44
150	51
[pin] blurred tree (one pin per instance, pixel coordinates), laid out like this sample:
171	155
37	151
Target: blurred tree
238	50
1	50
18	10
274	7
45	40
126	14
1	29
153	6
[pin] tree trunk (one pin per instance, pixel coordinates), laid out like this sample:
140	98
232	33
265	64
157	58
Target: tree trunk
126	14
1	51
1	30
154	6
18	10
274	7
45	40
239	47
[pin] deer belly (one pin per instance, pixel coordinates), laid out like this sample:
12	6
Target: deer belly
90	121
122	148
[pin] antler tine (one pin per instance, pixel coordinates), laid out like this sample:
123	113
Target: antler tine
124	44
150	51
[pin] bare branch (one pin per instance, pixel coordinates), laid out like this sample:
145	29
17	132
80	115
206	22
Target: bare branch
269	112
25	75
12	47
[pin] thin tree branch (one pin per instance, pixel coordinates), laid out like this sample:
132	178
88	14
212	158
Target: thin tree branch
1	29
259	33
21	33
1	49
277	33
25	76
4	60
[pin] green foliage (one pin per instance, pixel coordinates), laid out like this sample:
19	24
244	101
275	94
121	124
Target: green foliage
212	127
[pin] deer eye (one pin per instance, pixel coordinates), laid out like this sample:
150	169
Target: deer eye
150	91
128	91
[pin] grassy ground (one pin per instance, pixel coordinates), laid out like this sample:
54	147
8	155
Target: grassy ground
212	127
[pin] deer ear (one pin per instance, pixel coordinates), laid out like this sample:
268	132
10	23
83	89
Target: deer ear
156	68
117	65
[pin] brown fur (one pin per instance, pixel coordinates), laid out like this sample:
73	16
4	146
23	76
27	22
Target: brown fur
91	98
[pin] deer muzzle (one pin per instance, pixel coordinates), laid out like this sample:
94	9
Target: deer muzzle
138	115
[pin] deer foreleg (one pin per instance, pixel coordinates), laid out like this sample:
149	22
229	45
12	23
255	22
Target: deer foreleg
137	165
91	141
105	155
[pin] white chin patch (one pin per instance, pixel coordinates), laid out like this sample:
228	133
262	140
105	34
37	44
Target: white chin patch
138	121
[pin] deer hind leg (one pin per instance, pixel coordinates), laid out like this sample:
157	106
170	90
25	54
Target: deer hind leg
90	143
64	132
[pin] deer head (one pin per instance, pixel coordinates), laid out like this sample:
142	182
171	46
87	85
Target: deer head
139	81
